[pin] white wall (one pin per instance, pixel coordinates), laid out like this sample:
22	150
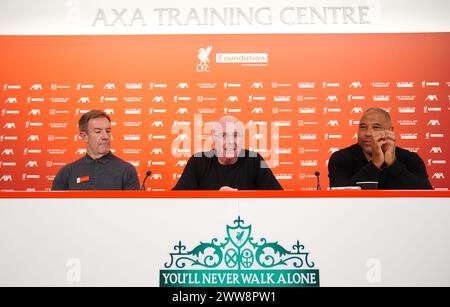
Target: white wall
58	17
123	242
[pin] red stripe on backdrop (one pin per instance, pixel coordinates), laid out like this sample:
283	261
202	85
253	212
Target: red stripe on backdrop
239	194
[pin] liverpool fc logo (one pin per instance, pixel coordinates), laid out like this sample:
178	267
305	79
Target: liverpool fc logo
239	261
203	56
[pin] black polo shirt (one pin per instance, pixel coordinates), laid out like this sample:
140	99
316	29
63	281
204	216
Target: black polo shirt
107	173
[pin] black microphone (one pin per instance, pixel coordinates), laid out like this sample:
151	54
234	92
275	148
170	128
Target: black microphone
317	174
148	174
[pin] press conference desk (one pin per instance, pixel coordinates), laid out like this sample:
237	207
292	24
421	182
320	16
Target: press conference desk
125	238
227	194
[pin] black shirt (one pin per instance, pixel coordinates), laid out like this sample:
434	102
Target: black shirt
107	173
349	165
204	172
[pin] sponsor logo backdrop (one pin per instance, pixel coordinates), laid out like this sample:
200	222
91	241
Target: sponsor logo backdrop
300	96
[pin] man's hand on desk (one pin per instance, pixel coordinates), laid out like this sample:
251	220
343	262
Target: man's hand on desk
227	189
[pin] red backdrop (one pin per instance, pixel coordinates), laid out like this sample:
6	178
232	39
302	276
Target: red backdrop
313	87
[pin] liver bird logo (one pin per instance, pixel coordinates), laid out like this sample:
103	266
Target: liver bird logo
240	235
203	55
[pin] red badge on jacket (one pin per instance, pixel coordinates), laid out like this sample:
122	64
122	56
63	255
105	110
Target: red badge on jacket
83	179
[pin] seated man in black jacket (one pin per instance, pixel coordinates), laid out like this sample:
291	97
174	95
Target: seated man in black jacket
229	167
377	158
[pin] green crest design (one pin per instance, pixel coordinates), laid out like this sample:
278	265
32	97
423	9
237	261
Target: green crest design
239	260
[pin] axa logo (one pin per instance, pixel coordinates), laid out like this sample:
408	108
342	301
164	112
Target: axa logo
438	176
109	111
356	85
257	85
182	111
432	98
9	126
181	163
80	151
333	123
156	177
183	85
258	137
331	99
436	150
11	100
158	124
233	99
182	137
84	100
33	138
36	87
35	112
239	260
158	99
31	164
8	152
203	57
257	111
157	151
6	178
109	86
434	122
357	110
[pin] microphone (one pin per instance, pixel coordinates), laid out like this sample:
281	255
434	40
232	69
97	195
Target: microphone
148	174
317	174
